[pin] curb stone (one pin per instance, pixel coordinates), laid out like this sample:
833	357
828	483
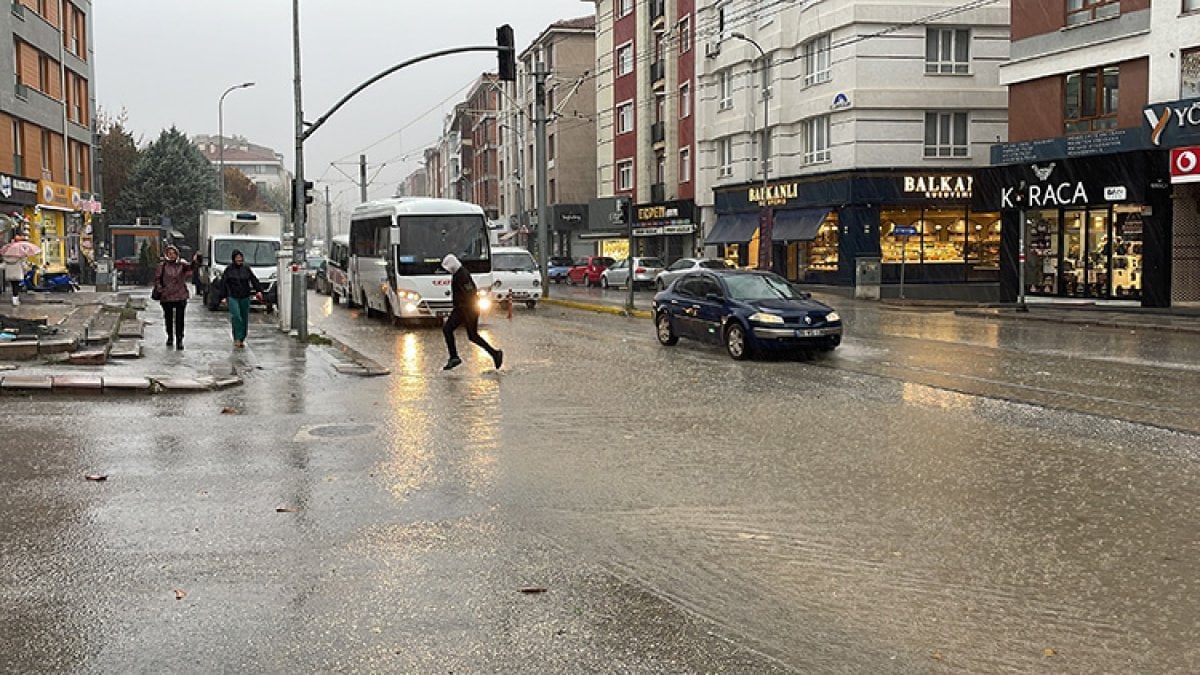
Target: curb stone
360	364
1091	320
90	382
594	307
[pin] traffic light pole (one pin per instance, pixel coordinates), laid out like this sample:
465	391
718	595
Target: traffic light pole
299	300
539	161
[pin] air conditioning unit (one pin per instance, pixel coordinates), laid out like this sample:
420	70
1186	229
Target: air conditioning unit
712	49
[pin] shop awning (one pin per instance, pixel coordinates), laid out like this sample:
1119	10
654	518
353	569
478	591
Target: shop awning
798	224
733	228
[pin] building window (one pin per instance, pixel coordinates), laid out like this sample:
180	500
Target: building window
721	25
624	8
817	61
550	147
948	51
552	191
685	100
1191	5
1190	71
18	149
1092	97
624	60
44	73
946	134
47	165
1082	11
660	168
685	34
725	157
685	165
726	89
625	175
625	118
816	140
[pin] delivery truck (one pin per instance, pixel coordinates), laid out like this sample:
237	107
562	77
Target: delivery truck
256	235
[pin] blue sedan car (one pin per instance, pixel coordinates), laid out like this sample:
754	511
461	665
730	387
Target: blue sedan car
746	311
557	268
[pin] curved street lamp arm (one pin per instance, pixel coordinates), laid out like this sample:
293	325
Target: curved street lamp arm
312	127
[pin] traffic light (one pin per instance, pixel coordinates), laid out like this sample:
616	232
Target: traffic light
507	54
308	186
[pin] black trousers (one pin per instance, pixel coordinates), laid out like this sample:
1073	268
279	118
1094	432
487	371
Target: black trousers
469	319
173	318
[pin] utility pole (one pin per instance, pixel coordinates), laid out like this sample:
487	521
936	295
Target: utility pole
539	119
362	177
328	222
299	297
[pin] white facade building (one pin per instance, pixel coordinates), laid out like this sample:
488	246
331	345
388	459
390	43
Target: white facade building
862	96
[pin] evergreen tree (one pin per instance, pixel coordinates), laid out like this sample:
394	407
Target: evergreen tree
119	152
173	180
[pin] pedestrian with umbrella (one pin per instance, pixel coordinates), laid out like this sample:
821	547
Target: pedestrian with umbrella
13	254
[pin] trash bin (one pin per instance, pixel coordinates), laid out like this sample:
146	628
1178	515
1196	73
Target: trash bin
106	276
868	275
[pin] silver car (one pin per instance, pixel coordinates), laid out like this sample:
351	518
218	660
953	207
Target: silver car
644	271
683	266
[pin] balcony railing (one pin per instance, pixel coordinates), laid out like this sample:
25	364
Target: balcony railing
658	132
658	193
658	71
21	91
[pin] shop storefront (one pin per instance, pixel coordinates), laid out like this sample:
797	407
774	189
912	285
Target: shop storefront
607	233
56	225
16	194
1180	136
822	224
666	230
1094	213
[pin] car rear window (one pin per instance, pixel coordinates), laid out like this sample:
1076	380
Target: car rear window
713	264
651	262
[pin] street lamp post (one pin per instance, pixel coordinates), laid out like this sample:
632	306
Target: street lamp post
221	136
768	223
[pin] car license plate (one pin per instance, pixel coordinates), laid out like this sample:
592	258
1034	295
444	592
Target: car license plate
809	332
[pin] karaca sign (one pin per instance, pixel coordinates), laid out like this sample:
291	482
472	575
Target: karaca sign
1046	193
774	195
940	187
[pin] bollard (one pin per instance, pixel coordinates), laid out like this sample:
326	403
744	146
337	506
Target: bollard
510	304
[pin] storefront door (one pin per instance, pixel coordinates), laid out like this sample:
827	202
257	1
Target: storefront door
1085	253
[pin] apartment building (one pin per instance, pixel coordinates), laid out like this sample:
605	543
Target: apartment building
567	49
479	133
878	117
415	184
47	111
261	164
1100	174
645	130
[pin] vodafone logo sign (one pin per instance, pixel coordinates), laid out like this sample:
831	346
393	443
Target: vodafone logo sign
1185	165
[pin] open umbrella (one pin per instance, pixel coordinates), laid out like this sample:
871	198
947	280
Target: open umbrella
19	249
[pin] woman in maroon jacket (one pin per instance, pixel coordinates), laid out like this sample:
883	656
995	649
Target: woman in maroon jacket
170	283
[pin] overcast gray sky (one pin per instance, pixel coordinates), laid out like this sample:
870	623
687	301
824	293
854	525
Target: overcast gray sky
166	63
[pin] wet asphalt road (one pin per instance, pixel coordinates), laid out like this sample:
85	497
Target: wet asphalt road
909	504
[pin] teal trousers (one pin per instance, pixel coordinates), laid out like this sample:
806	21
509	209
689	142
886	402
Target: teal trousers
239	316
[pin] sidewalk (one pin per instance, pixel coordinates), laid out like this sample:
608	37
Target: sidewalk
1180	321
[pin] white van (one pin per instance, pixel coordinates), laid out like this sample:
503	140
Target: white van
515	271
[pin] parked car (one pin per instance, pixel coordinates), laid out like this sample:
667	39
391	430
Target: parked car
644	271
557	268
683	266
746	311
587	270
515	275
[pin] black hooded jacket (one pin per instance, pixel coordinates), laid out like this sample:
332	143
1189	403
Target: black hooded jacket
238	281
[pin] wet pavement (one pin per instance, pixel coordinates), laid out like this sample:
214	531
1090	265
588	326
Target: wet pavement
942	494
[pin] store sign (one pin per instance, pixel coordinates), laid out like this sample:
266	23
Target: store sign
18	190
840	102
679	229
940	187
1048	193
1175	123
59	195
658	212
1116	193
647	231
1185	165
774	195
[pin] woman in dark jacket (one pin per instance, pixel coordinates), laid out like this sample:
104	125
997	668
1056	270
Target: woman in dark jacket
238	283
170	281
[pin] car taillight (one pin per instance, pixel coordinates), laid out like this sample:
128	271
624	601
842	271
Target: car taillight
640	270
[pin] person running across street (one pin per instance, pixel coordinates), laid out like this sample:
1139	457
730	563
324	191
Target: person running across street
238	283
464	313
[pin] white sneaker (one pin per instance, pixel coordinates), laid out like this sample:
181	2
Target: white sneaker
16	301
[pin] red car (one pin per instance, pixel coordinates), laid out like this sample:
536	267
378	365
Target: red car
587	270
